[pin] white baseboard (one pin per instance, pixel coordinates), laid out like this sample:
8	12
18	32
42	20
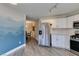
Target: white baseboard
13	51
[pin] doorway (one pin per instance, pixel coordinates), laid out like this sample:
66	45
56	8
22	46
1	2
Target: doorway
31	31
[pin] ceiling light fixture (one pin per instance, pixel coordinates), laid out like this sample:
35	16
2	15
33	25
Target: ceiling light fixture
53	8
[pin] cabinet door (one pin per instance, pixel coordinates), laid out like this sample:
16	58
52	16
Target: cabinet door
76	17
61	23
58	41
71	19
62	41
70	22
53	41
67	42
54	23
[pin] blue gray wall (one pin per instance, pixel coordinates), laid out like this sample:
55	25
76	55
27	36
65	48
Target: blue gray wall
11	34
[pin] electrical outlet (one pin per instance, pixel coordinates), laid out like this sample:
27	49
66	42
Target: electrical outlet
19	42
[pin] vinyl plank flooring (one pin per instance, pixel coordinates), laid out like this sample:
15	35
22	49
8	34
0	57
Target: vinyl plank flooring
33	49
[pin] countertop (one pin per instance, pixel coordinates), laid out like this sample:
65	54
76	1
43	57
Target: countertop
75	40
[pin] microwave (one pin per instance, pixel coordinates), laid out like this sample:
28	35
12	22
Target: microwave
76	25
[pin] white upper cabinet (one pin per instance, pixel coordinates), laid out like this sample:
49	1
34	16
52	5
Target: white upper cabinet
70	22
50	21
71	19
61	23
54	23
76	17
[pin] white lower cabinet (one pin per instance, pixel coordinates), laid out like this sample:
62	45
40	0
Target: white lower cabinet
58	41
67	42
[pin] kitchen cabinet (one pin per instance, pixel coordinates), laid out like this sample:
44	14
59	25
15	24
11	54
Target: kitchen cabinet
66	22
49	21
58	41
76	17
61	23
71	19
70	22
54	41
54	23
67	42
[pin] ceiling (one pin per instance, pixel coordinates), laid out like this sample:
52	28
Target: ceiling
37	10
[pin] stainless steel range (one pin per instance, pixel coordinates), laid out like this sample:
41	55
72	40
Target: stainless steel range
74	39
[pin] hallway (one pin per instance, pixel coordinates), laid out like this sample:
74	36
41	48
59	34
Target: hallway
32	49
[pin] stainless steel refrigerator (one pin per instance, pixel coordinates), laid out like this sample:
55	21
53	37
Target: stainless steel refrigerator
44	34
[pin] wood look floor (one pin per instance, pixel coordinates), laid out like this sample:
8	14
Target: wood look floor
33	49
